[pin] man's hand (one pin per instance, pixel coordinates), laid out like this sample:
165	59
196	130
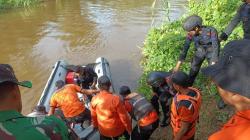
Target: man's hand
177	67
223	36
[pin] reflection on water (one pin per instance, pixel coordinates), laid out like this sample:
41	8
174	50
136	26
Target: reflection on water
79	31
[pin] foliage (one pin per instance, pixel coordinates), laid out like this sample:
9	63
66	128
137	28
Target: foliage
16	3
163	45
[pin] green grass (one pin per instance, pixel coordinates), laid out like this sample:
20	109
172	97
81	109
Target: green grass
16	3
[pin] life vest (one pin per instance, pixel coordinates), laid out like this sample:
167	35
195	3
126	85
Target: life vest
175	118
141	107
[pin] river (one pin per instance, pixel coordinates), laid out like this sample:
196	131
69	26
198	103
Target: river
78	31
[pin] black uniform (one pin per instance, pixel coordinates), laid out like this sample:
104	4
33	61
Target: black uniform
207	47
243	14
164	95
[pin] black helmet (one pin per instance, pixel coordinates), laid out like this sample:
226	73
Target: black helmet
191	22
124	90
104	82
155	79
181	78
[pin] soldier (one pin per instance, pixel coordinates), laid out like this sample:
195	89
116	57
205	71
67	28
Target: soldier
242	15
141	111
158	80
15	126
231	76
206	44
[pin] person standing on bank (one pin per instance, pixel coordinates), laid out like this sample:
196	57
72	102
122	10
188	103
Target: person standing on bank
242	15
185	107
15	126
108	113
231	76
142	111
206	44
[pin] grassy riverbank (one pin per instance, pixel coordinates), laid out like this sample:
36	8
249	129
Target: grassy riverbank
4	4
163	45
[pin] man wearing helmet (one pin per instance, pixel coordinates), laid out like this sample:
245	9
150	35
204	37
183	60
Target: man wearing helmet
162	92
206	44
243	14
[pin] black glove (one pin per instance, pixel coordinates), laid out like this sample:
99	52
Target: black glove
223	36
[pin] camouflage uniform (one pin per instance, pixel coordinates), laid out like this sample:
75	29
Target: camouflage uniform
243	14
207	46
15	126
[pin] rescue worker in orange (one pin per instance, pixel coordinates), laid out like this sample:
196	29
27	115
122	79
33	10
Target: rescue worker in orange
231	77
142	111
67	100
185	107
108	113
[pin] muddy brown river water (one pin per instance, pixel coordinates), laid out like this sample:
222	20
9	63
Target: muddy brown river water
79	31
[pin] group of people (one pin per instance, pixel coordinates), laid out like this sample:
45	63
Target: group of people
113	114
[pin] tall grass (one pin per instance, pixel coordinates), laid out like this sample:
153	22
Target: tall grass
16	3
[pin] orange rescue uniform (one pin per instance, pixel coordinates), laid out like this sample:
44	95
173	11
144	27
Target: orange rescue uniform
186	114
109	115
145	121
67	100
237	128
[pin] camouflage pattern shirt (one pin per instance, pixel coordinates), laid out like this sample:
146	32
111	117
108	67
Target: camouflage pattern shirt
15	126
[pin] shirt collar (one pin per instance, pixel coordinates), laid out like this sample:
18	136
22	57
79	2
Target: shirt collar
9	114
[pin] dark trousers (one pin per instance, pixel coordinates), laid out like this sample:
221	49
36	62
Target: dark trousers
81	118
164	98
125	135
200	55
144	133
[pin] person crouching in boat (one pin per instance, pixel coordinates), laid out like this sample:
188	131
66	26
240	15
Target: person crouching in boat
142	111
65	98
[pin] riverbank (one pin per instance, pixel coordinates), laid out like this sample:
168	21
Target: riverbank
161	51
6	4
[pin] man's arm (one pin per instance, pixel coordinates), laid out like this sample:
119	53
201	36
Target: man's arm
231	26
53	105
183	54
93	116
85	91
185	112
184	129
51	111
123	114
89	91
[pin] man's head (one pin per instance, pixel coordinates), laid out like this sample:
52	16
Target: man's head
180	80
124	91
231	74
192	24
60	84
10	97
104	83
